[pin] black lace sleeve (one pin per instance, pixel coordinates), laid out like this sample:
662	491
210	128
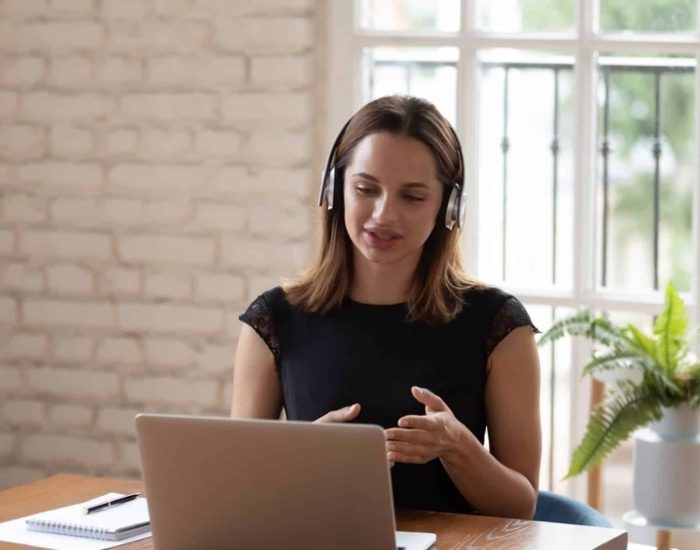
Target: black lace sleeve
259	317
511	315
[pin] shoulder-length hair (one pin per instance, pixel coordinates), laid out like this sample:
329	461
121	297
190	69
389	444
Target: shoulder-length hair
436	292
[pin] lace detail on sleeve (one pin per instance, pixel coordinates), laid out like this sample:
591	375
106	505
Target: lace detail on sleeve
259	317
511	315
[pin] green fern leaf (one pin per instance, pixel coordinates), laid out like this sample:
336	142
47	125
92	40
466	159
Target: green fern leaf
664	385
611	423
641	341
577	324
670	329
599	329
615	360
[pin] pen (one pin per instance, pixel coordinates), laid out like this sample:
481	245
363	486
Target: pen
110	503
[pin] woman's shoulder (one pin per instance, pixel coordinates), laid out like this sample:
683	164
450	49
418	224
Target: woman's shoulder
500	311
270	301
486	298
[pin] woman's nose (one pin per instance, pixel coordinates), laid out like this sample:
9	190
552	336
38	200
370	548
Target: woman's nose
385	209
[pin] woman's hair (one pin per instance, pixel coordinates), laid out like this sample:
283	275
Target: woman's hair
435	294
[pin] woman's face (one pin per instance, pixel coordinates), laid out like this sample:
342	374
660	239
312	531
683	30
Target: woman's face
392	197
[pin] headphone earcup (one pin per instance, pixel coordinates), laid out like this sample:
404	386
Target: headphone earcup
327	191
331	187
455	209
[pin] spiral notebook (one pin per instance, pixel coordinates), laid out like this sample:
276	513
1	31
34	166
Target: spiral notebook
116	523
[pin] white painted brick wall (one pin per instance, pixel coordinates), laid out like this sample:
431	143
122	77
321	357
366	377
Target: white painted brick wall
22	142
18	71
70	279
25	346
72	349
158	163
172	391
71	142
22	276
59	382
70	415
10	378
64	450
168	352
24	412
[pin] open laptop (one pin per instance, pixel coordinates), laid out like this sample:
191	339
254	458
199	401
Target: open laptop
219	483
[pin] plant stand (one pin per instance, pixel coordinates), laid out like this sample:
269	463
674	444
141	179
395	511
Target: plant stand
662	536
666	480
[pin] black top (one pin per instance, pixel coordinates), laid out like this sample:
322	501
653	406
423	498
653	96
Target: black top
369	354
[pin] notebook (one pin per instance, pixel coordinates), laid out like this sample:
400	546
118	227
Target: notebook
116	523
225	483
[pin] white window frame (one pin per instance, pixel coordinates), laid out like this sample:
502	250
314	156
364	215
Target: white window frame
344	96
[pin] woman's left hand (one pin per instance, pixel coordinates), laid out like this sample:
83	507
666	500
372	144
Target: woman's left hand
420	439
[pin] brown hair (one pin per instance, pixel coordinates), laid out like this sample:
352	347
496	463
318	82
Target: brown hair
435	294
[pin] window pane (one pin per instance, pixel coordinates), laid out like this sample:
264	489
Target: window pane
526	169
646	172
425	72
647	15
555	400
409	15
526	15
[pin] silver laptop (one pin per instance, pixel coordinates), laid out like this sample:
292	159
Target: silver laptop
219	483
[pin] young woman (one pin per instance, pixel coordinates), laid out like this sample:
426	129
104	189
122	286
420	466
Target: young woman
386	328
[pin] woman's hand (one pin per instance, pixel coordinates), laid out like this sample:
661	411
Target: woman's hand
346	414
420	439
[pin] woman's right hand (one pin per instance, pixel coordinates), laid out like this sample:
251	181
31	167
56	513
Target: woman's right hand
346	414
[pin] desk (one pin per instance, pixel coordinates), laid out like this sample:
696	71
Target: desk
453	530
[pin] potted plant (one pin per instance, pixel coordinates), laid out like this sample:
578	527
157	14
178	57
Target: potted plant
660	389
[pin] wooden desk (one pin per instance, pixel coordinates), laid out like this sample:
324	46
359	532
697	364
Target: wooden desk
454	531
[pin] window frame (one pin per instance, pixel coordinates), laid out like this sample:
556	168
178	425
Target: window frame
344	95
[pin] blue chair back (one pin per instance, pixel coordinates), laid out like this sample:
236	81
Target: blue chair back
562	509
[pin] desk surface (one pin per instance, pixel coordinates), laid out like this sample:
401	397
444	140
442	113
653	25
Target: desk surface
453	530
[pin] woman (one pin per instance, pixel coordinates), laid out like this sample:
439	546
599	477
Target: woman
386	328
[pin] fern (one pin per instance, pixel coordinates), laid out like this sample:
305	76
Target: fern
670	328
598	329
612	423
615	360
670	374
641	341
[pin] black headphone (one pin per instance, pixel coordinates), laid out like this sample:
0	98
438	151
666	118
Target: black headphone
455	205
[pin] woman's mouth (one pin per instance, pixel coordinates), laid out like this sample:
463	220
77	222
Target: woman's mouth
380	239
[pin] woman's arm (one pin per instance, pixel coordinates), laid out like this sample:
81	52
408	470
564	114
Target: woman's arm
502	482
256	388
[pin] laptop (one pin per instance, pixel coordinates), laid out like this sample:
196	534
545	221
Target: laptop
220	483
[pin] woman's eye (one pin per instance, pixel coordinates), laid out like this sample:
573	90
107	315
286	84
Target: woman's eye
364	190
414	198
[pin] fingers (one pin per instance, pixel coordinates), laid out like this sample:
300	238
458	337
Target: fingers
412	453
429	399
417	422
412	449
406	459
411	446
346	414
407	435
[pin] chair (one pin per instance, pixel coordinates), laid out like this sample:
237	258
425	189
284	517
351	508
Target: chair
561	509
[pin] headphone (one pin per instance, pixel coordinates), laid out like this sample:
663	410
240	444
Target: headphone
455	206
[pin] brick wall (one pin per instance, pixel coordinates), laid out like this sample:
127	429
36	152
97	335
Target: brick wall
157	170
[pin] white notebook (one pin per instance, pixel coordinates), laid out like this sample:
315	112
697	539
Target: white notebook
115	523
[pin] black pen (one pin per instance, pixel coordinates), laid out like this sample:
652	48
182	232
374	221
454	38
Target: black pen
110	503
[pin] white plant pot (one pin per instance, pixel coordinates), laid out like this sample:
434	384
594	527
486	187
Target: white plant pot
667	469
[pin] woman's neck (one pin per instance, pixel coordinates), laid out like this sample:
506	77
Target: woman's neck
375	283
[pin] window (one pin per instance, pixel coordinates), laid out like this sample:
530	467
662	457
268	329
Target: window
579	124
